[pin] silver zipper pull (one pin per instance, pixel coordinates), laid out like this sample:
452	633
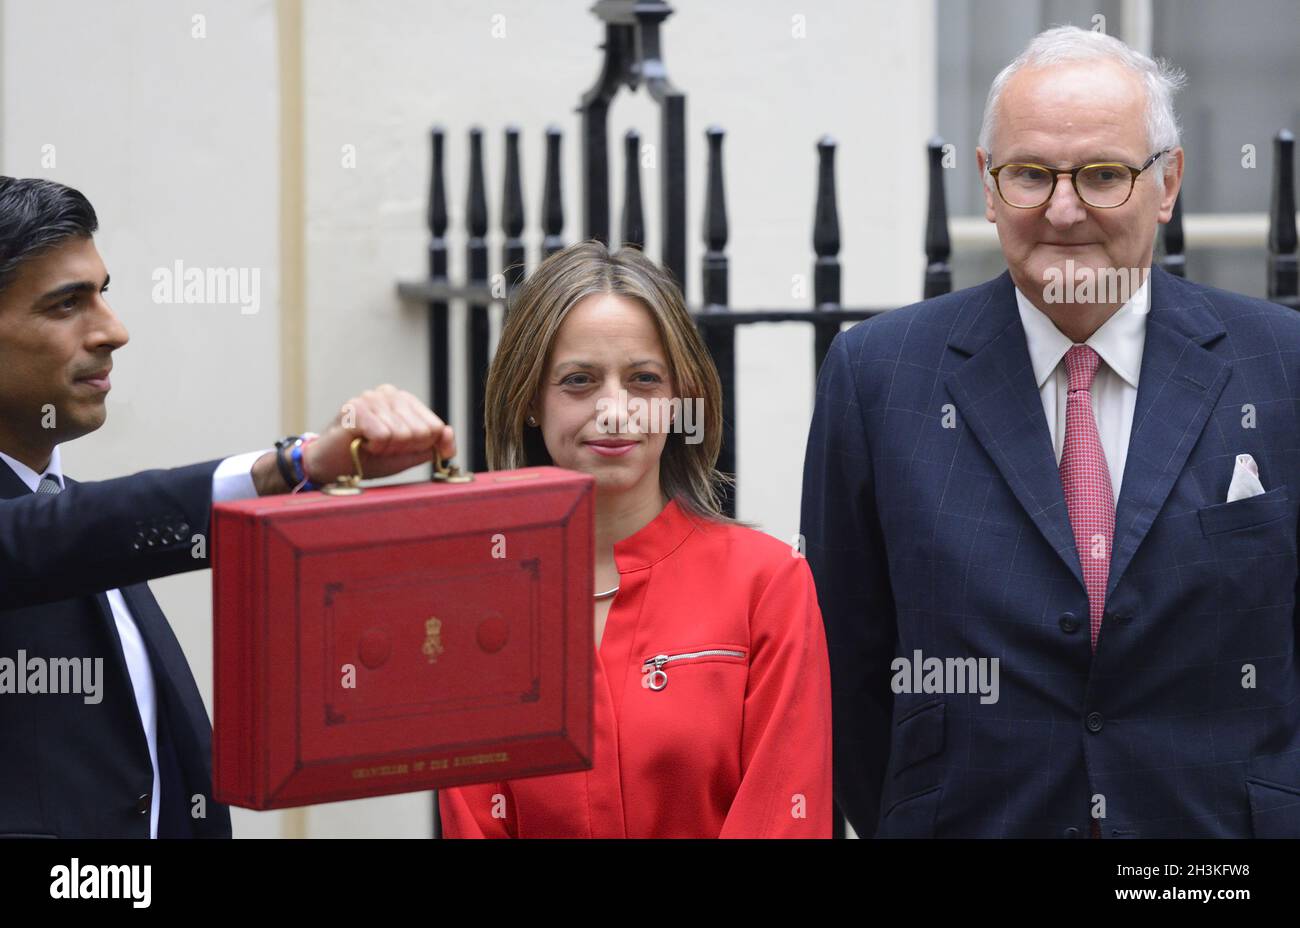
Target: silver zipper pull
658	678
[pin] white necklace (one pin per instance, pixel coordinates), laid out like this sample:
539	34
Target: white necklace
604	594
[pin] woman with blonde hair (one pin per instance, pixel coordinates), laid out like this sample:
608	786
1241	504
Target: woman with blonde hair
712	683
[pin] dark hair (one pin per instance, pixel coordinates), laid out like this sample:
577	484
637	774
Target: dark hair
35	216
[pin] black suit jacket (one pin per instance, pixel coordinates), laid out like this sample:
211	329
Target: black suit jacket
73	769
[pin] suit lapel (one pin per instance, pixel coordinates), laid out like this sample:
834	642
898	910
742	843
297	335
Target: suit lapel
172	677
998	399
118	654
165	652
1178	386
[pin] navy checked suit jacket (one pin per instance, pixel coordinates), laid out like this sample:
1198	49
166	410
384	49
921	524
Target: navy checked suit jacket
956	542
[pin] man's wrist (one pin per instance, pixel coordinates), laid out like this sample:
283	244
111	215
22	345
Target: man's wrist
267	479
289	462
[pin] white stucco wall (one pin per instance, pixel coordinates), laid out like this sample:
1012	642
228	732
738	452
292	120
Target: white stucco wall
174	141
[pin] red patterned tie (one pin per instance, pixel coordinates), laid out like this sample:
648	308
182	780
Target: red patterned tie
1086	479
1088	494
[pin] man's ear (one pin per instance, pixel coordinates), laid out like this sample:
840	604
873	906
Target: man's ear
980	156
1173	183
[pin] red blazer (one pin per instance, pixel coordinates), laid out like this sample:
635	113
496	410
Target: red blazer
734	744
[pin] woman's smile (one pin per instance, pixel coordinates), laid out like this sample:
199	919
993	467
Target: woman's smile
611	447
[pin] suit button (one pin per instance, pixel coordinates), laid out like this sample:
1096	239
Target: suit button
1069	622
143	805
1071	832
1094	722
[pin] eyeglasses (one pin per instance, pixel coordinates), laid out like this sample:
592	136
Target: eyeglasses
1102	186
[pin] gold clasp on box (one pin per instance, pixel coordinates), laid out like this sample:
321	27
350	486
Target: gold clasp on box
445	472
350	484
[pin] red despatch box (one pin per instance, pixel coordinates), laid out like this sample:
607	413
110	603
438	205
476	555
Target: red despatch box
407	638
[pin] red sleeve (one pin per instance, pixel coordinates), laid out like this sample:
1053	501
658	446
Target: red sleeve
468	811
785	751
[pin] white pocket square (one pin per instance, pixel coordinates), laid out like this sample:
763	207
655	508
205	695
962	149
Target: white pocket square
1245	479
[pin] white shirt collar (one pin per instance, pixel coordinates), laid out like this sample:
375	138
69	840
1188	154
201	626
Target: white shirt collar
29	476
1119	341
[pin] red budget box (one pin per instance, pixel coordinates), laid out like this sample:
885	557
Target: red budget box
406	638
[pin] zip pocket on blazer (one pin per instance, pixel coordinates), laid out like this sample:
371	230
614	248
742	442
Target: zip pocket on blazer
654	670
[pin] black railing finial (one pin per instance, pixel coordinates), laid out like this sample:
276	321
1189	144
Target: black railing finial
437	212
552	196
720	339
512	213
826	229
633	231
439	332
476	213
938	246
476	265
715	224
1283	278
826	244
1174	259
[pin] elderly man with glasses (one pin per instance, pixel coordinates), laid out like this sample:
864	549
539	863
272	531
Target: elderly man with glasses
1076	491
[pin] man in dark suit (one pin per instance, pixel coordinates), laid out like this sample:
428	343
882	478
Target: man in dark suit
1082	495
102	729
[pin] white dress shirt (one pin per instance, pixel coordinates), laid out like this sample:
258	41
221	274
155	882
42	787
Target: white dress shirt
1119	342
233	479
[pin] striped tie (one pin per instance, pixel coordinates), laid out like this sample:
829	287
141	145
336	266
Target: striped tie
49	486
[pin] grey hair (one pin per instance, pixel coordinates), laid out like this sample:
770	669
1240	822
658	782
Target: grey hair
1063	44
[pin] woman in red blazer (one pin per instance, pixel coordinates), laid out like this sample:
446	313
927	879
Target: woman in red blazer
712	684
